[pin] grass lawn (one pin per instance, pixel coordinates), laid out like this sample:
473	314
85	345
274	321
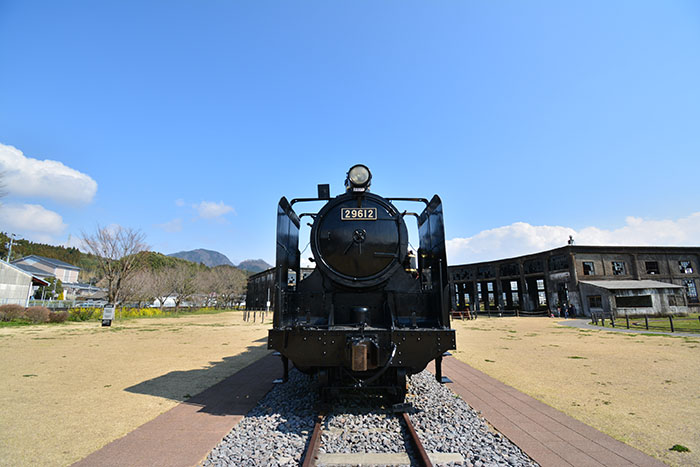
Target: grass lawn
68	389
640	389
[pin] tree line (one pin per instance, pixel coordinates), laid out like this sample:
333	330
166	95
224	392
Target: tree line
131	273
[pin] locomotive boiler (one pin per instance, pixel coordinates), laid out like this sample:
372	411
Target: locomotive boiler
369	315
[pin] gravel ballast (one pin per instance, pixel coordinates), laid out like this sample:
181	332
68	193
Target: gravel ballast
276	431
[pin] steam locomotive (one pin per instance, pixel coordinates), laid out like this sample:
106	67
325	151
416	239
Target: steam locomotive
368	316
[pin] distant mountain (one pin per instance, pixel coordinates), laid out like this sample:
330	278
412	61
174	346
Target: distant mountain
207	257
253	265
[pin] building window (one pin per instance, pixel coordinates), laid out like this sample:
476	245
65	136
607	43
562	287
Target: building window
618	268
676	300
489	286
692	290
510	269
652	267
484	272
513	285
588	268
557	263
533	266
540	284
478	286
515	298
685	267
633	301
595	301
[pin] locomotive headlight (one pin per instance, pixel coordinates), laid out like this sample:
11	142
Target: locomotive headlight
359	177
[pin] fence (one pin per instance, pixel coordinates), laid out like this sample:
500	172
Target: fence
473	314
650	323
254	314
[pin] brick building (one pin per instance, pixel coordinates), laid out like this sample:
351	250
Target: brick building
633	280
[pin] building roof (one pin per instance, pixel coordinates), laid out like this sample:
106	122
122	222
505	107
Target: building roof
36	279
575	249
50	261
28	268
632	284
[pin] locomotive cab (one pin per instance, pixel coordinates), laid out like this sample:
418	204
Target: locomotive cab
366	317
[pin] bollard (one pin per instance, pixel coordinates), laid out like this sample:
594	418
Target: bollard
646	321
670	318
627	318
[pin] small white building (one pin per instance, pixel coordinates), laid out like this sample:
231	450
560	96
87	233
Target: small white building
17	285
633	298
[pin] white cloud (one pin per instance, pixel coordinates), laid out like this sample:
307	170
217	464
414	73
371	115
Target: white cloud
210	209
521	238
26	176
31	220
174	225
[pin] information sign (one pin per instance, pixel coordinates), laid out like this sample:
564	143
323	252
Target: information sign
108	315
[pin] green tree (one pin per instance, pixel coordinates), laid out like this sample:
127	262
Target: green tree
51	291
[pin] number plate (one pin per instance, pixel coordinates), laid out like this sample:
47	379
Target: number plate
354	214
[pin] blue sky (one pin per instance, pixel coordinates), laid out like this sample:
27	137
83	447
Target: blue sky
189	120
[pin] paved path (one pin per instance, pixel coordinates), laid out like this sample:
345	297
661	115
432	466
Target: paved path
586	324
185	434
547	435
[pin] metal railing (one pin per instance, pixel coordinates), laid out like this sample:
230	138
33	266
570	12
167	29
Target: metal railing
650	323
253	314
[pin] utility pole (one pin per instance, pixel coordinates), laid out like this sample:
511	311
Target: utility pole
9	252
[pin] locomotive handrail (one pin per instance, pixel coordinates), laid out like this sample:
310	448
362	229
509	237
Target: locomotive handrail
421	200
304	200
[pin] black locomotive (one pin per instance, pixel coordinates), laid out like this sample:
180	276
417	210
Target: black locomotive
367	316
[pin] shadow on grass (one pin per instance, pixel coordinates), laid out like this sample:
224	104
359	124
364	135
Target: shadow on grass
246	377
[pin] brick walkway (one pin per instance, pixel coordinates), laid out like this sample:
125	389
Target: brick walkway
184	435
547	435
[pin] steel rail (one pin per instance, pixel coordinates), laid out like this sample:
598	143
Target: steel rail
311	453
424	459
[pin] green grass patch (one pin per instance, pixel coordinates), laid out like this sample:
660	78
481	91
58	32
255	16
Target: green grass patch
689	323
679	448
576	357
15	323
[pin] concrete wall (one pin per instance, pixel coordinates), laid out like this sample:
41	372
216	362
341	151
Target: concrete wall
15	285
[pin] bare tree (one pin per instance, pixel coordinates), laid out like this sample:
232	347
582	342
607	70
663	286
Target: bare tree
229	284
138	287
206	286
160	284
116	249
183	280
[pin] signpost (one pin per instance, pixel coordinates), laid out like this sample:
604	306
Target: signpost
108	315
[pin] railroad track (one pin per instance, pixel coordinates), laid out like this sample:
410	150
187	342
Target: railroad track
311	455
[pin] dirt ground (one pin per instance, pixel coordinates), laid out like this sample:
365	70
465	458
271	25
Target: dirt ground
640	389
67	390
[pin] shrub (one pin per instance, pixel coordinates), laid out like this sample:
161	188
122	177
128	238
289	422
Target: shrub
37	314
10	312
84	314
58	316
